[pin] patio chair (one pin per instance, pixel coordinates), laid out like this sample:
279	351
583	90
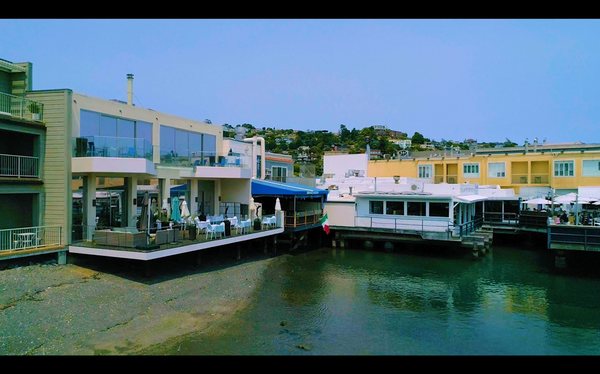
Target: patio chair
234	224
210	231
220	229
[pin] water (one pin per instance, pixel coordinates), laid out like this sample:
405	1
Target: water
355	302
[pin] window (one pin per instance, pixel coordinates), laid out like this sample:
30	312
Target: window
564	168
98	124
425	171
591	168
278	173
394	207
471	170
415	208
375	207
89	123
496	170
439	209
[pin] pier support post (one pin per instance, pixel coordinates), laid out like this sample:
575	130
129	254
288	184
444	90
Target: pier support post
342	244
62	258
560	260
199	259
239	252
333	243
388	246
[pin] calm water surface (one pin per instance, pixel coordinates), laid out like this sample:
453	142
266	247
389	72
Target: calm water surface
407	303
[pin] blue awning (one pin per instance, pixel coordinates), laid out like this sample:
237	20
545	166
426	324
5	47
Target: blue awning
271	188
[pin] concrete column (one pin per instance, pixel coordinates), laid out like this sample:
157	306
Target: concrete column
165	189
217	200
131	194
193	204
89	210
61	258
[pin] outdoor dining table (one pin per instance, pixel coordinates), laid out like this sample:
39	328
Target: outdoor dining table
25	239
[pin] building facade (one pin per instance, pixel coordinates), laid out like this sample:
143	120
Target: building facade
525	169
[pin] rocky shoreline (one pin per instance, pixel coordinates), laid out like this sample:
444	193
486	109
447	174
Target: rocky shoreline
84	308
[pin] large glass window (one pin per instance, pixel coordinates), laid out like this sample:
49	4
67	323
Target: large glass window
167	141
209	144
496	170
376	207
89	123
181	143
439	209
564	168
394	207
591	168
108	126
279	173
415	208
125	128
144	130
425	171
195	143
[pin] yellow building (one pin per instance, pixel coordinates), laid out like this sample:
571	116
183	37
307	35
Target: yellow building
559	166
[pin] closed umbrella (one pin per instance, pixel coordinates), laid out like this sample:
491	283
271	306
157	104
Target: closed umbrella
166	207
277	204
185	212
175	215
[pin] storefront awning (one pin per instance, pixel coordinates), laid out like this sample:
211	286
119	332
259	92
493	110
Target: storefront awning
271	188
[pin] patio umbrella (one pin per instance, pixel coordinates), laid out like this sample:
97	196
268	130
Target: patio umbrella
572	198
252	208
537	200
277	204
175	215
167	207
185	212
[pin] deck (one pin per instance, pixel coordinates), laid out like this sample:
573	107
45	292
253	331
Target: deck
170	249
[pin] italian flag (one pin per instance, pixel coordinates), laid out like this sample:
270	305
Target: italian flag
325	223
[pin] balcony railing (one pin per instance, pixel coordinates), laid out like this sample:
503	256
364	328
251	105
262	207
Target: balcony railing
16	166
204	159
309	217
111	146
519	178
30	237
539	178
20	107
451	178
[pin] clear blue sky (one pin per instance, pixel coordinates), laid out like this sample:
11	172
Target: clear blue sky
451	79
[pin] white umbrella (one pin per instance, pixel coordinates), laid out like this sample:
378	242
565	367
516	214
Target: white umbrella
252	208
538	200
277	204
572	198
185	212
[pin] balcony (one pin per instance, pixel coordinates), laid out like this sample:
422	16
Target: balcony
209	165
20	107
110	146
107	154
37	237
21	167
519	179
539	178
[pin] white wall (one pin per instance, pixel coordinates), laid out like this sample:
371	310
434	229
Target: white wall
235	190
339	164
340	214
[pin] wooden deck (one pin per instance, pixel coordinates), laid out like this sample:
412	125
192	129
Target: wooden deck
18	253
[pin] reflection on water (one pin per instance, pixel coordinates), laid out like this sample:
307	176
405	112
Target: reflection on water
364	302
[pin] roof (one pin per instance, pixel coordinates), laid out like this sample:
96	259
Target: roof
271	188
470	198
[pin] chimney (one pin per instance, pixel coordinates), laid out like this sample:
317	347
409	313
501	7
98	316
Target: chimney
130	89
350	190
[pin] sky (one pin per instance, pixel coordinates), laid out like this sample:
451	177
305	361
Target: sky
450	79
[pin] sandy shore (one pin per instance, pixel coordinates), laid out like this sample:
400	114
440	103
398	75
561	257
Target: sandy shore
89	307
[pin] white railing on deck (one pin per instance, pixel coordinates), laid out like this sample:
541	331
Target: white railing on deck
20	107
19	166
29	237
395	224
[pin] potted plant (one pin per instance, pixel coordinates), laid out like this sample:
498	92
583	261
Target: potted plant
34	109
